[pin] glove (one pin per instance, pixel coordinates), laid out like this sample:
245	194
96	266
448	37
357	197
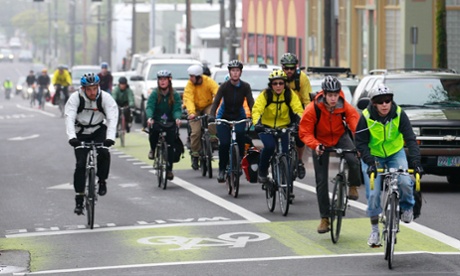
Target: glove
372	169
259	128
211	119
74	142
108	143
418	169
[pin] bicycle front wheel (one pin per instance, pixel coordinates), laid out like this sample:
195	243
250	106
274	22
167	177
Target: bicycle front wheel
122	130
158	165
284	183
203	163
235	171
338	205
164	165
208	153
294	159
391	229
90	197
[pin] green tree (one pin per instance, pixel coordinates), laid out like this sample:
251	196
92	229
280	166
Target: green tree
441	35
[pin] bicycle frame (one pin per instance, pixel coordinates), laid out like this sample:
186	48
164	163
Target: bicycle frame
233	166
206	156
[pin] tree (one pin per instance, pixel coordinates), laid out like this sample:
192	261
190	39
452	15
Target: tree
441	35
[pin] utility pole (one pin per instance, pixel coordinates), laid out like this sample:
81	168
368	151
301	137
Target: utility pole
55	30
327	32
152	25
188	26
133	30
49	35
84	32
109	31
98	47
222	27
72	8
232	48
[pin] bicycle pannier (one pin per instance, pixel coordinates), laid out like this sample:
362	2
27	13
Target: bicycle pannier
178	149
250	164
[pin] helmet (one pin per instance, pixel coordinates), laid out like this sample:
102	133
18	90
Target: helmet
289	59
331	84
104	65
235	64
122	80
380	90
195	70
277	74
89	79
61	67
164	74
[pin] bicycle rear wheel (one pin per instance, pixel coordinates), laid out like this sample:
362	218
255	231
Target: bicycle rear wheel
90	197
284	183
208	153
235	171
294	159
158	165
203	163
390	228
338	205
164	165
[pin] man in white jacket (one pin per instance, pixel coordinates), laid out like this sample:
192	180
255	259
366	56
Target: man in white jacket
85	112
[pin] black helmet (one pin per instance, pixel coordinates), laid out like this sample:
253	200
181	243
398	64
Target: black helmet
122	80
289	59
331	84
235	64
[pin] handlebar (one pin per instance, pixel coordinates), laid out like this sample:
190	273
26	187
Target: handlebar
87	145
220	121
392	171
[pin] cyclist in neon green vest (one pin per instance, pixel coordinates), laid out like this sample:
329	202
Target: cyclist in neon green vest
380	136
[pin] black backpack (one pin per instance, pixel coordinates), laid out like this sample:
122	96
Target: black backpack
287	100
81	106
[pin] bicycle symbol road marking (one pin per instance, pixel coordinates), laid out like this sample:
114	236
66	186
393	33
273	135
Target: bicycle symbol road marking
230	240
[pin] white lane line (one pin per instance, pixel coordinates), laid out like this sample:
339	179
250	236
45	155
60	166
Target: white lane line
139	163
36	110
263	259
253	217
448	240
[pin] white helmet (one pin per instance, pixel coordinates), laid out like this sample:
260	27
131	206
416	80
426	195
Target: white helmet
195	70
380	90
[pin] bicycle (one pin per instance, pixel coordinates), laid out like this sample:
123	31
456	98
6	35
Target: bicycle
121	127
391	212
160	163
339	200
232	174
91	184
61	98
282	179
206	152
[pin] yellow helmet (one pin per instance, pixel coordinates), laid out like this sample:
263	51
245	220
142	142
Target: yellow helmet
277	74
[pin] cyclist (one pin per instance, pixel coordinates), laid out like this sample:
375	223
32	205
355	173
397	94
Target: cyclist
322	125
164	113
383	130
7	86
106	78
85	122
61	80
124	97
300	84
233	92
31	79
198	96
43	82
276	107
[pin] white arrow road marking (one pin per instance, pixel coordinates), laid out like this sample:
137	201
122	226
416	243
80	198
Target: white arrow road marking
128	185
65	186
20	138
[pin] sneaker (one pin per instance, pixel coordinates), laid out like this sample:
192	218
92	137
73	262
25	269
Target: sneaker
221	176
169	176
262	178
374	239
78	205
195	163
407	216
323	226
151	155
353	193
102	187
300	170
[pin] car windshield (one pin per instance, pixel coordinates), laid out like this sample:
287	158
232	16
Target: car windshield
346	91
77	73
425	91
258	79
179	71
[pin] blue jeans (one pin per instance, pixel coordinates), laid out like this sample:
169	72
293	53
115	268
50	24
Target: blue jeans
224	133
406	196
269	142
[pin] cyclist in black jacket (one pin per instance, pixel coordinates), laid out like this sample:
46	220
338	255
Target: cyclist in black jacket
233	92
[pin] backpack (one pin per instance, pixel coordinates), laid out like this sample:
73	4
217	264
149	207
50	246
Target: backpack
250	164
297	80
81	106
287	100
418	203
178	149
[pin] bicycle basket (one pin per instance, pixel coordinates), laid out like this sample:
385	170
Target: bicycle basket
250	164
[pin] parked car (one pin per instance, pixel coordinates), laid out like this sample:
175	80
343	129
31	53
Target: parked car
25	56
117	75
78	71
145	79
431	99
348	80
6	55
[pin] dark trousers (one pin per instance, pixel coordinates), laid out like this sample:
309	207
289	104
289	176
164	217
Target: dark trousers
224	134
322	173
269	141
103	159
154	134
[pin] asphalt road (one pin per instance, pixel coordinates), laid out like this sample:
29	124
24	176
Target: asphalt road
193	227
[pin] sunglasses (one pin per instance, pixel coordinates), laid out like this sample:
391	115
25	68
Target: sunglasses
275	83
387	101
289	68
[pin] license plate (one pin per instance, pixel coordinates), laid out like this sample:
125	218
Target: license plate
448	161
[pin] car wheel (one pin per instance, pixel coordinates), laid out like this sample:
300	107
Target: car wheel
453	179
